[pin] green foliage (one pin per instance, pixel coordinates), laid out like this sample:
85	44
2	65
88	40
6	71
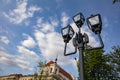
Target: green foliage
35	76
95	64
114	61
101	66
41	64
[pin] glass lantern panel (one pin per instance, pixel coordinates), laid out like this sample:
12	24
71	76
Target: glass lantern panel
65	31
71	33
77	18
94	20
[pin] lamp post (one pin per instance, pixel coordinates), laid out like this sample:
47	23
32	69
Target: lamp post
80	40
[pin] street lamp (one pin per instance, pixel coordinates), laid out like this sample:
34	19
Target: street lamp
94	23
80	41
79	19
67	33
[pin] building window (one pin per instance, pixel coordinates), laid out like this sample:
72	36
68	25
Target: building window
55	71
50	70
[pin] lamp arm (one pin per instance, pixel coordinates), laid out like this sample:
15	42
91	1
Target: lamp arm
74	44
101	44
71	52
101	41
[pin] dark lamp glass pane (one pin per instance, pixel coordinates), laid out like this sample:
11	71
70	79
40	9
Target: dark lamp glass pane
77	18
71	33
64	36
94	20
65	31
89	25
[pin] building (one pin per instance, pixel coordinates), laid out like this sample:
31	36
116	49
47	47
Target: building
50	71
17	77
27	77
11	77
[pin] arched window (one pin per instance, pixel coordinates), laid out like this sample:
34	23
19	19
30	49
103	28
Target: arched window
50	70
55	71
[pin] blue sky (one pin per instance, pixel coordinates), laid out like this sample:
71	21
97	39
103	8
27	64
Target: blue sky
30	31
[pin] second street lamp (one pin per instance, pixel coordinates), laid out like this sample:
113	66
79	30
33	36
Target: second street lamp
67	33
94	23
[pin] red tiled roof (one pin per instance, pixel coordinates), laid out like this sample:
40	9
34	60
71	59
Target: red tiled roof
48	64
61	70
65	73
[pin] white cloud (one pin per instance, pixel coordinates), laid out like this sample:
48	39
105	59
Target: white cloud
50	42
46	27
29	42
13	60
31	55
51	45
21	13
26	60
54	22
64	19
24	64
4	39
31	10
41	39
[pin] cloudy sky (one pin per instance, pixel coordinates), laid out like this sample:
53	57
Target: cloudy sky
30	31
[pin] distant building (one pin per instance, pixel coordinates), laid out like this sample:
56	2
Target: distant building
27	77
11	77
50	71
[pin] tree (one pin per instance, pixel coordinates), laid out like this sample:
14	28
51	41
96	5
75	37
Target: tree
114	61
95	65
40	65
100	66
35	76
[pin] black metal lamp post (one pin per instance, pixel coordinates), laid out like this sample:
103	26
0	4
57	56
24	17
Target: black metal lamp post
80	41
79	21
